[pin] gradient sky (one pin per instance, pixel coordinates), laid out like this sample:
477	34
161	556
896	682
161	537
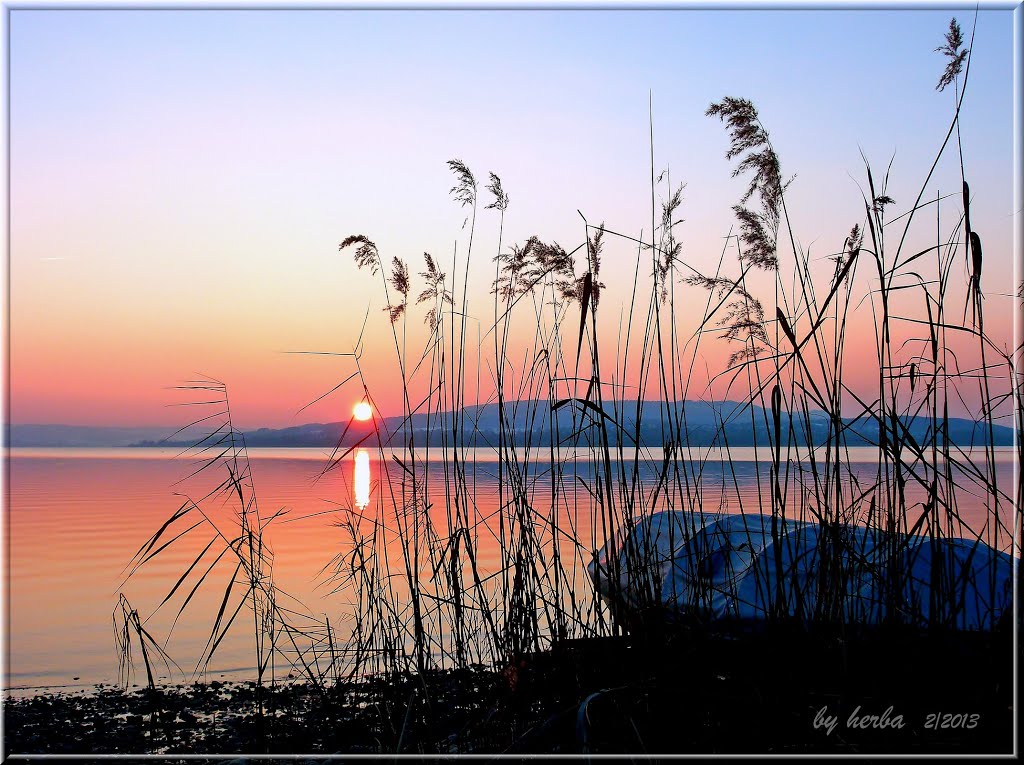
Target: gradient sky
180	180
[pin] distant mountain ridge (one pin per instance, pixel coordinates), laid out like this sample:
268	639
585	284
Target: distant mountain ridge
533	422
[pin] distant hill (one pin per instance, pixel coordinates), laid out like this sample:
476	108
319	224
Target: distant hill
533	422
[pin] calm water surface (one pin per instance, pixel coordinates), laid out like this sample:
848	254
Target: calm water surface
76	518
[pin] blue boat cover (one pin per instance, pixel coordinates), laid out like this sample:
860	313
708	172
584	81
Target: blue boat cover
720	566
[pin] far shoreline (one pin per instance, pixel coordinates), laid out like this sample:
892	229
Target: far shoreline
1005	454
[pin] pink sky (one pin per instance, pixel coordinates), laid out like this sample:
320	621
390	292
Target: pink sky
179	185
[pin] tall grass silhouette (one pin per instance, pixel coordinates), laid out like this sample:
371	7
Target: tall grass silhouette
575	467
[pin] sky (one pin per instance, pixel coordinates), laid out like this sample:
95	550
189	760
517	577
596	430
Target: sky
180	180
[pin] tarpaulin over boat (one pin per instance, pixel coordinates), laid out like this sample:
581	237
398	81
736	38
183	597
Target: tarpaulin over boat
729	566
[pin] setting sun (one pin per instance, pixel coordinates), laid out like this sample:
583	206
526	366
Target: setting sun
362	411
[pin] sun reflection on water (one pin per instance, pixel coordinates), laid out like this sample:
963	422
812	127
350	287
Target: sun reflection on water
361	479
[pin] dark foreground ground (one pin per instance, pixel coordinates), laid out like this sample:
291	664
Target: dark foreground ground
684	693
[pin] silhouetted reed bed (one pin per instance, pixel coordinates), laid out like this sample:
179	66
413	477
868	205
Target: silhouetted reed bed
441	650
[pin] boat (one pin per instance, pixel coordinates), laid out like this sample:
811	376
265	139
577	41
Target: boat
743	569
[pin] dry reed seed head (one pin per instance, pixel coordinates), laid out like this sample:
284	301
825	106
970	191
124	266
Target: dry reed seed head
464	189
851	249
744	321
758	231
758	239
515	263
743	318
568	289
744	354
553	258
594	245
528	266
366	253
500	197
879	203
434	290
719	284
952	51
395	311
767	177
854	240
669	255
746	135
740	117
669	207
671	249
433	275
400	276
432	269
575	289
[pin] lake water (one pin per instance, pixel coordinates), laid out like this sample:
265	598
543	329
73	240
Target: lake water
76	518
